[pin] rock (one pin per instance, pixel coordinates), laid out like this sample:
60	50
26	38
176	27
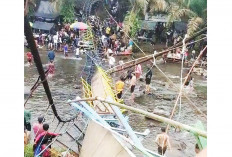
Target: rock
161	112
168	97
77	86
27	91
151	125
149	110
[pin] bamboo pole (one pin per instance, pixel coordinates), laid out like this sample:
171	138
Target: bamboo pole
182	86
149	115
149	57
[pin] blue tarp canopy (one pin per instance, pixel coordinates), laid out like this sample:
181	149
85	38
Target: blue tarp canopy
42	25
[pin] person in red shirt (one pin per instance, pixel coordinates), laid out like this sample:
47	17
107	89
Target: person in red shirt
42	140
51	68
38	127
29	57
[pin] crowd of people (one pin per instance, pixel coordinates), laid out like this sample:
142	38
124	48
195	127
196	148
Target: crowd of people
112	42
42	137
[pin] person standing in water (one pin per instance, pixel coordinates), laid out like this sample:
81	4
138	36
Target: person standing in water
163	141
77	52
29	58
132	86
66	50
51	55
148	80
119	87
51	68
138	71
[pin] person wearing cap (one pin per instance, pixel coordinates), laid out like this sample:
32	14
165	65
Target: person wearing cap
38	127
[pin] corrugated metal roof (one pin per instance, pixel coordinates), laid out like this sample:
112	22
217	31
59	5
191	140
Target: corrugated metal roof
42	25
148	25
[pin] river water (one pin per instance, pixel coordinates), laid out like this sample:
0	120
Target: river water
67	76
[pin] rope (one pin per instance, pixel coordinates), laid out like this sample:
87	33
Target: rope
34	87
43	118
76	139
172	113
148	57
168	51
168	77
181	71
124	31
52	142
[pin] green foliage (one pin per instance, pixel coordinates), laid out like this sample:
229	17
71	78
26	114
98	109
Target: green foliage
67	11
28	151
132	23
198	6
135	27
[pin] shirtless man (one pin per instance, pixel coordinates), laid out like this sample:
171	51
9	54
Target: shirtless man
163	141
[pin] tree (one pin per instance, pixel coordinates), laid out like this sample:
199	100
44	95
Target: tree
194	11
67	10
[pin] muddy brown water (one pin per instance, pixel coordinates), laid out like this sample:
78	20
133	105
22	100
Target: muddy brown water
67	73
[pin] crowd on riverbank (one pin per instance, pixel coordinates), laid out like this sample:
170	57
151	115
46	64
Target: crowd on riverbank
112	42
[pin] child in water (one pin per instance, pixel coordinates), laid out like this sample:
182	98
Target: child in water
66	50
51	68
29	58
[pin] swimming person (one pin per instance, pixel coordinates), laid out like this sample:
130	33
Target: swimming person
42	140
119	87
163	141
38	127
29	58
148	80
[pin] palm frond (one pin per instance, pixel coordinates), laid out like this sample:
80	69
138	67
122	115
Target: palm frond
193	25
158	5
177	14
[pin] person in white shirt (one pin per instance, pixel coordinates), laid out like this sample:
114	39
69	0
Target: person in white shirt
193	54
55	40
111	61
77	52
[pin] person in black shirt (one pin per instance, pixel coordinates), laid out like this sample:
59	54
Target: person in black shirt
148	80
